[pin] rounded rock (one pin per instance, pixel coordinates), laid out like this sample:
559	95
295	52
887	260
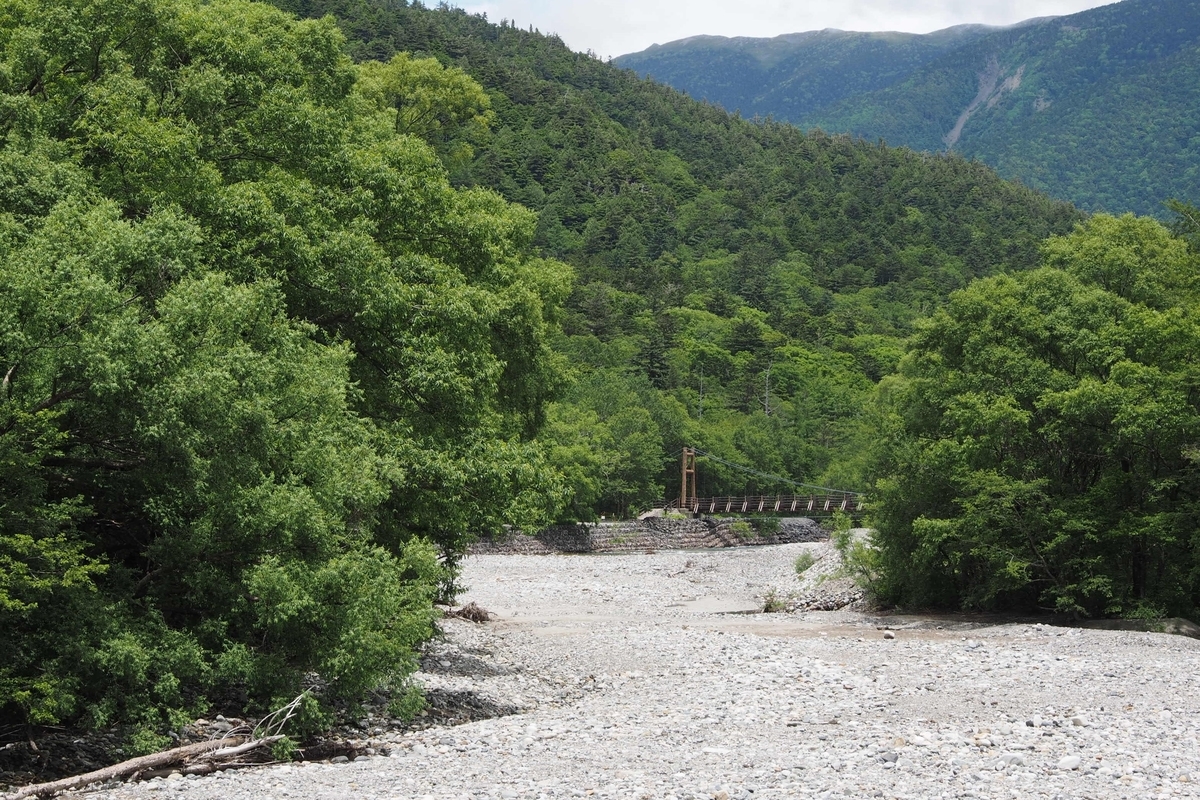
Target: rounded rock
1069	762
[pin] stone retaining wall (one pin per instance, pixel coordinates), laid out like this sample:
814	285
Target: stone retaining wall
650	534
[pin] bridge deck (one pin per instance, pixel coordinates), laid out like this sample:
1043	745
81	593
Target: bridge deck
771	504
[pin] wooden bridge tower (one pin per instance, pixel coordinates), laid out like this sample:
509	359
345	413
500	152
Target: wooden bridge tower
687	486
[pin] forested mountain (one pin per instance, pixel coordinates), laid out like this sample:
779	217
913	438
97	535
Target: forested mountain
793	76
1101	107
738	286
748	288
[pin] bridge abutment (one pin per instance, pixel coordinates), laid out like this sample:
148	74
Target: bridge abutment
654	534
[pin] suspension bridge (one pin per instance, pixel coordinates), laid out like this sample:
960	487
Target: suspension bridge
804	499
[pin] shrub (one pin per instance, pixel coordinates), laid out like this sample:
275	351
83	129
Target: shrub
774	602
408	700
743	529
860	559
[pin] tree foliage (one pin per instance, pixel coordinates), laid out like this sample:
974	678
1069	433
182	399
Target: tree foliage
264	369
1040	437
441	106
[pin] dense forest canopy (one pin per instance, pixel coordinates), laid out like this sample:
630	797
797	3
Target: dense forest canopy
712	256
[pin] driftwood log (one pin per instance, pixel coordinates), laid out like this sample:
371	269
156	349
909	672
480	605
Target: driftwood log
200	757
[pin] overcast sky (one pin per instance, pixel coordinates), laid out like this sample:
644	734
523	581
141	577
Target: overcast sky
617	27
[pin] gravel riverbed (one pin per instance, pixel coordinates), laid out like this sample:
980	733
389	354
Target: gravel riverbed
644	676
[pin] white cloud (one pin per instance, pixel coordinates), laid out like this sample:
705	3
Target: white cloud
616	27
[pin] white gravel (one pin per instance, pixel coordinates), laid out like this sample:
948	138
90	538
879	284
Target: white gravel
638	678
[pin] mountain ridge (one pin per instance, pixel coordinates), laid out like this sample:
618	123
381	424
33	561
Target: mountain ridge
819	59
800	36
1101	107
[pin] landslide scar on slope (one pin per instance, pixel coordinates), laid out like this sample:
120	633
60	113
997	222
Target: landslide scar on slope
990	91
1011	84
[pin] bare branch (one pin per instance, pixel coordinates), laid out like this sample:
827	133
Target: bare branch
198	758
178	755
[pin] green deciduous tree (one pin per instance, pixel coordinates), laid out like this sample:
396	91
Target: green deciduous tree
1040	437
442	106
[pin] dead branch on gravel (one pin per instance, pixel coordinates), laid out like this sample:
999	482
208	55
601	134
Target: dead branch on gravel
212	752
272	724
472	613
200	758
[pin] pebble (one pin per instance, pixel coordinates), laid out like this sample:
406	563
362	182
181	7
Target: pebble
608	684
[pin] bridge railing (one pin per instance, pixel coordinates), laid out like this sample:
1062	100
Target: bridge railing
772	504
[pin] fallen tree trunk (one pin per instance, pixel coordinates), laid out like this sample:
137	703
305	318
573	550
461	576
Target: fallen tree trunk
208	753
